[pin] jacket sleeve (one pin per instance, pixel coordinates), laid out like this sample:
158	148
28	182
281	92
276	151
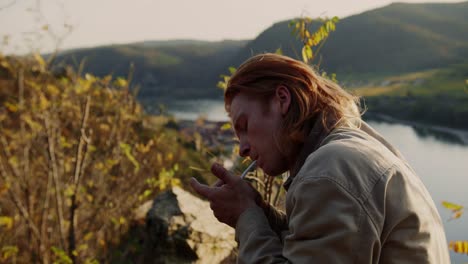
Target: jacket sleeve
323	228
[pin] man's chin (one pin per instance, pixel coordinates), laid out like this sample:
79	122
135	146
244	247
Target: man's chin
273	172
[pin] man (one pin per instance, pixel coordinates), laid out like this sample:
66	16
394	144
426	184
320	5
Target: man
351	197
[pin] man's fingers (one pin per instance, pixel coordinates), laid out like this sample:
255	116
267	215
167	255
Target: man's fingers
218	183
222	174
202	189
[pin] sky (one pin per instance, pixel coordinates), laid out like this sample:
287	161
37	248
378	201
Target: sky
103	22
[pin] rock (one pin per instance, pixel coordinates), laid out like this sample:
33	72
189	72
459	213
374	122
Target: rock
182	229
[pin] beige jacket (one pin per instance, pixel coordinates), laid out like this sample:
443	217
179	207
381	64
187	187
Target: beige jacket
353	200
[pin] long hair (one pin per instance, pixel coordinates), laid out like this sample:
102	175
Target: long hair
312	96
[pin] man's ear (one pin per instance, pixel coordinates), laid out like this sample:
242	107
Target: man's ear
283	96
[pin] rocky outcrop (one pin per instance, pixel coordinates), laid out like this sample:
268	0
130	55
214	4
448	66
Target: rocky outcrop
181	228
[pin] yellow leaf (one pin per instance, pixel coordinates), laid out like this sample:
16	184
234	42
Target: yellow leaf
69	191
159	158
146	193
306	54
6	221
39	59
82	247
64	143
43	102
452	206
102	243
5	64
9	251
91	148
88	236
457	214
121	82
226	126
45	27
11	107
53	90
106	79
175	182
170	156
104	127
460	247
32	124
147	147
13	161
99	166
90	77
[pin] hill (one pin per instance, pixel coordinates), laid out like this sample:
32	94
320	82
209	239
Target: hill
399	38
160	66
437	96
394	39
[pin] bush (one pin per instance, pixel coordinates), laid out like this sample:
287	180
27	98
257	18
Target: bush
78	155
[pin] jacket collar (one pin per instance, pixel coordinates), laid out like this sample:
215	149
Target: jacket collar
317	134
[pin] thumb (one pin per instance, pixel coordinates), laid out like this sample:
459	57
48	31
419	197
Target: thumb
222	174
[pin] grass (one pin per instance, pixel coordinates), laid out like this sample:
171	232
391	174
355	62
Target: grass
448	81
435	97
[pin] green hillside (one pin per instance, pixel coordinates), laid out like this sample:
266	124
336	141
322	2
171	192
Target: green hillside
437	96
393	39
160	66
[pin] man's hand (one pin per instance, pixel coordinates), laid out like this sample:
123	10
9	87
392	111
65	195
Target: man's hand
229	197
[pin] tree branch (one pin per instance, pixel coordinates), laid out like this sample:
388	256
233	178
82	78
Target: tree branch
80	157
57	186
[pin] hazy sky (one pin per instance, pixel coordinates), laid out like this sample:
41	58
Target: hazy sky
98	22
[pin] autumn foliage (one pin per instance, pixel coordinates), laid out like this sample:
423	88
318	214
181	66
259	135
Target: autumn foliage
77	156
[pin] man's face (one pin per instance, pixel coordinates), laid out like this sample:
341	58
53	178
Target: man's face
256	123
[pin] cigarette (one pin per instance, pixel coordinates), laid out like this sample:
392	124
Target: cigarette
249	168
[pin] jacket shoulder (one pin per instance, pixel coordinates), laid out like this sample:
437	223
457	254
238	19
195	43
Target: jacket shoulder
351	158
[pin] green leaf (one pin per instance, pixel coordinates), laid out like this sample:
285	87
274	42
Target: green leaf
307	54
128	152
147	193
9	251
62	256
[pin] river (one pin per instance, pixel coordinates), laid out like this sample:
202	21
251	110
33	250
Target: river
439	156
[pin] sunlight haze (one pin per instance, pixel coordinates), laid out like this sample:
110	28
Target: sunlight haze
115	21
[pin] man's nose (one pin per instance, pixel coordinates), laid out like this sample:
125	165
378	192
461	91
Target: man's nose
244	149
